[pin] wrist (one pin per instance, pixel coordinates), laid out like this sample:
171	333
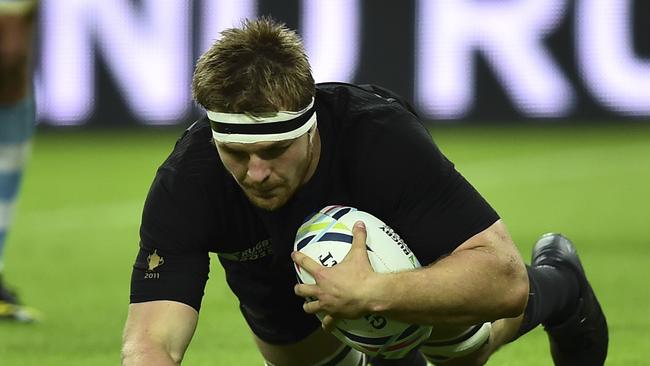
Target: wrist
381	293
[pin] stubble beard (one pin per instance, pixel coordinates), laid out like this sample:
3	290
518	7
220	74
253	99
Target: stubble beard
279	201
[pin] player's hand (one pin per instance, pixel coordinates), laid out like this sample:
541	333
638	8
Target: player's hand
343	291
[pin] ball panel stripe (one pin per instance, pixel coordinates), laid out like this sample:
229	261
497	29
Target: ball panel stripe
365	340
337	211
338	237
315	225
456	340
321	225
302	243
408	331
393	347
329	209
401	345
325	230
309	217
341	212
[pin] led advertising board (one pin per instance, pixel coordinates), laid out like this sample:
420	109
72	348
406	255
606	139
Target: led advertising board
128	62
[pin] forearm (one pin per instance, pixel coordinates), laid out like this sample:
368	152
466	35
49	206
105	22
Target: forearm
484	279
467	287
157	333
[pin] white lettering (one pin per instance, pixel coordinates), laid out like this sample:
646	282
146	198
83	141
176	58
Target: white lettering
146	50
146	46
617	78
66	82
331	35
509	35
218	15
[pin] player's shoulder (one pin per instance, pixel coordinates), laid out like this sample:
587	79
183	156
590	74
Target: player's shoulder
365	106
194	153
370	116
363	93
352	98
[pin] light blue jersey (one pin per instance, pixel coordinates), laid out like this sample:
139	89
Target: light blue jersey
16	128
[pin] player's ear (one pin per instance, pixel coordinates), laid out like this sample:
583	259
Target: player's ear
312	132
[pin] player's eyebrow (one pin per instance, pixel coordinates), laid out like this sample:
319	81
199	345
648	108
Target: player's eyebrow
237	147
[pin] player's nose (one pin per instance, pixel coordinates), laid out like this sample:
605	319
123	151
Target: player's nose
258	170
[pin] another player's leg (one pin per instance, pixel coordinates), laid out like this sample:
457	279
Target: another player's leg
16	125
15	130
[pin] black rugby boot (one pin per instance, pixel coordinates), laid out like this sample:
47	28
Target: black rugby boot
581	339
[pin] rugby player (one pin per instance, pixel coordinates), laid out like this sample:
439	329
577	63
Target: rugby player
16	126
273	148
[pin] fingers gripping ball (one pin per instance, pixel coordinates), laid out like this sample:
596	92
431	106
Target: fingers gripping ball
326	237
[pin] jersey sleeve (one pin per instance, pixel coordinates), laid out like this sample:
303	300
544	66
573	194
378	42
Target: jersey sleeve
416	189
172	262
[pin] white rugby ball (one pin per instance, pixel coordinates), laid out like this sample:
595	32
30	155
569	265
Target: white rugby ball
326	237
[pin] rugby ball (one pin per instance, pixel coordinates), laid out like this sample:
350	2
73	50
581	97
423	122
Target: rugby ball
326	237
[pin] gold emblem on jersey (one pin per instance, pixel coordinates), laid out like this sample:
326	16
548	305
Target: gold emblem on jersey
154	260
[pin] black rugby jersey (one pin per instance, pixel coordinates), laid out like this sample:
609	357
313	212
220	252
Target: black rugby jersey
375	156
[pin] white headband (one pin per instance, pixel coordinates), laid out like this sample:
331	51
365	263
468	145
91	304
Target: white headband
248	128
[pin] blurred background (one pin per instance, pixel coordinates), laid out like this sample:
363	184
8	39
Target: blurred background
130	62
544	105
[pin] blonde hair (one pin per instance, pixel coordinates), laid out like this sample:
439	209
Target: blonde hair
260	67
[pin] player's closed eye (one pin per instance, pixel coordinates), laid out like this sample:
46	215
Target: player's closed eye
273	152
234	154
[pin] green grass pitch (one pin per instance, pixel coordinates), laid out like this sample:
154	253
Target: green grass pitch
76	232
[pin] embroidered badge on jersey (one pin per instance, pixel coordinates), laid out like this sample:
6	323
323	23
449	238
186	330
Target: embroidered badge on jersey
154	260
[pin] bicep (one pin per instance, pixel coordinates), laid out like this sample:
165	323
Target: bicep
156	327
494	238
